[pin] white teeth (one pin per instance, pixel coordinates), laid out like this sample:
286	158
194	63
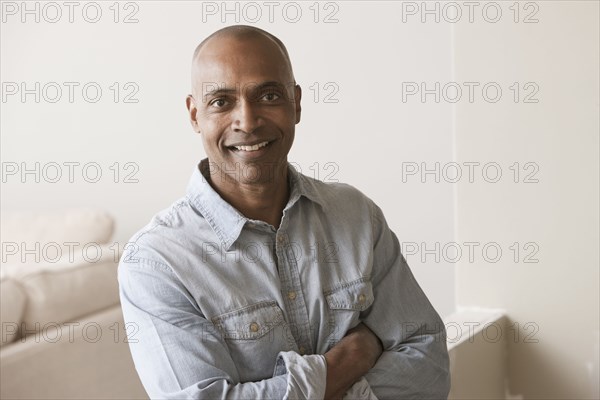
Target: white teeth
252	148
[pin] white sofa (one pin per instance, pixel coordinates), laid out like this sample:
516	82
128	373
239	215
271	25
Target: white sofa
63	335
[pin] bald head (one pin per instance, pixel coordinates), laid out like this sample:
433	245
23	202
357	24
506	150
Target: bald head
220	39
244	95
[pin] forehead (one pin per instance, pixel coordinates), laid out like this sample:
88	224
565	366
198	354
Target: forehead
235	61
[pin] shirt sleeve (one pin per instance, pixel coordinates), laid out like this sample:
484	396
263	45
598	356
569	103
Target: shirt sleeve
415	362
360	390
179	354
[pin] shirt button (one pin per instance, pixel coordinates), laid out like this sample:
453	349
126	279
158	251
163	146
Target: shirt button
254	327
362	298
291	295
280	239
302	350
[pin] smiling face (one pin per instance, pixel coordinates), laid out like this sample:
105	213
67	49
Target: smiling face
245	104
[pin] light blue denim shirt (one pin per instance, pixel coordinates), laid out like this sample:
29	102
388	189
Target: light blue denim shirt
221	306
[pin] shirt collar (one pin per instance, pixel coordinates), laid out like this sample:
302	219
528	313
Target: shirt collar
226	221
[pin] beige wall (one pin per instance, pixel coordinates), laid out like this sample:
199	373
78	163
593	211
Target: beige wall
554	301
349	57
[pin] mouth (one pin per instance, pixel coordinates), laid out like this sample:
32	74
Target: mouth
250	147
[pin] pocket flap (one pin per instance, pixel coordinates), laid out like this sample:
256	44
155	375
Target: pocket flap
251	322
356	295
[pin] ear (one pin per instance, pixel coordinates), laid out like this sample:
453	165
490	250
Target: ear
192	110
298	98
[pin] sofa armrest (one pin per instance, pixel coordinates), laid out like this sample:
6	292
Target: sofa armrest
86	359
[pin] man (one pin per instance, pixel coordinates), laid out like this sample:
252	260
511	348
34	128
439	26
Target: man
262	283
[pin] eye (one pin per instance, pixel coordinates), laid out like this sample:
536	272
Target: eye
218	103
271	96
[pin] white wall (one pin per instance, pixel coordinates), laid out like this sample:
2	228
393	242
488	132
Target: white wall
367	55
553	302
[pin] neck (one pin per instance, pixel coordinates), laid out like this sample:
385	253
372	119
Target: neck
260	200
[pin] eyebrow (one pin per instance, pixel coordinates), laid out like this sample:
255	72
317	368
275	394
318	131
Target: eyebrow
257	87
217	92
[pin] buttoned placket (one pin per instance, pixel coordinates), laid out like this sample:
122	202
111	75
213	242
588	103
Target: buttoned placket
291	289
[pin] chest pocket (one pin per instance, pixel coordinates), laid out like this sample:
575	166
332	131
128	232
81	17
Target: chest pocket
345	303
254	335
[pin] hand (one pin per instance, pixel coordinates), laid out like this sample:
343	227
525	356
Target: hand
351	358
368	344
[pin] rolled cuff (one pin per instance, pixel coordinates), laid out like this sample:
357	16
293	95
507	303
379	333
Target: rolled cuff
361	390
306	375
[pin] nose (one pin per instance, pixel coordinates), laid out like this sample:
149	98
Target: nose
245	117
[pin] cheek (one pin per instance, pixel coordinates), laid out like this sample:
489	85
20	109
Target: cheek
213	122
284	118
212	141
212	130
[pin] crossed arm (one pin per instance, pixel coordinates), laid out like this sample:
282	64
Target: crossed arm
399	347
350	359
402	322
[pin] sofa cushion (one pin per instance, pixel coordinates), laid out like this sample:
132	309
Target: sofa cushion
12	306
62	292
52	237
